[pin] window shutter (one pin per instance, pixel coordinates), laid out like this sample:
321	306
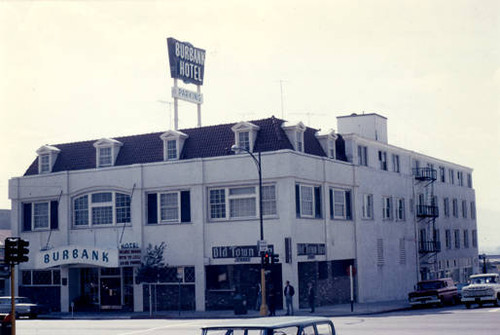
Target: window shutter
297	200
152	208
317	201
331	203
54	215
348	214
27	217
185	206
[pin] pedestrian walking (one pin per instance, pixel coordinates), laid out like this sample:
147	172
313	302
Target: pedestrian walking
289	292
310	296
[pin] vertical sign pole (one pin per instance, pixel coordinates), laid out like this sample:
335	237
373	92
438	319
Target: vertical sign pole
176	107
352	288
199	106
13	299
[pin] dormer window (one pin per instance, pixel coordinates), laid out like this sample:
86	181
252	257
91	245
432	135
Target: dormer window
327	141
104	157
173	142
244	140
44	163
47	156
245	134
106	152
295	133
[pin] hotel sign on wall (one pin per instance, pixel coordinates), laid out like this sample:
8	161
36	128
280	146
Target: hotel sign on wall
77	255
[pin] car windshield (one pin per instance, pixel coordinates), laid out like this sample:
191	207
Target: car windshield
484	280
431	285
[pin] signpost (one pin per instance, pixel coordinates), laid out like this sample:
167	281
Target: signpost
188	64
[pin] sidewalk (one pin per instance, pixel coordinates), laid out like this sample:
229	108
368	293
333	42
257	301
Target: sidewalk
327	311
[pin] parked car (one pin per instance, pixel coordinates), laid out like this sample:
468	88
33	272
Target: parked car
24	307
434	292
483	288
268	326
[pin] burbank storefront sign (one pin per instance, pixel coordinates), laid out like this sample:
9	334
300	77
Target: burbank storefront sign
186	62
77	255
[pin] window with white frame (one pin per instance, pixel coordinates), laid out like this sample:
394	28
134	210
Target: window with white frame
105	156
308	201
382	158
169	207
367	206
362	155
400	209
395	163
451	176
387	208
469	180
45	163
40	215
380	252
299	141
244	140
241	202
269	200
340	204
474	238
101	209
331	148
171	149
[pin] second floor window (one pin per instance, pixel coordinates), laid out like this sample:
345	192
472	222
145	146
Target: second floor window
340	204
41	215
395	163
455	208
400	209
448	238
101	208
367	206
308	201
169	207
241	202
446	205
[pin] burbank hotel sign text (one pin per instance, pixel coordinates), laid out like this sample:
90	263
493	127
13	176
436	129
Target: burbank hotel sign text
186	61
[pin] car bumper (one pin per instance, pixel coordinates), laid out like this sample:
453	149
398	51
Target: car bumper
424	301
479	299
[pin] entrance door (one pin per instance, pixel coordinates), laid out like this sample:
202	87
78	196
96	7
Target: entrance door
111	293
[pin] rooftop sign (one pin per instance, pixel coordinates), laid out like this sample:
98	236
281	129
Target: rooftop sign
186	61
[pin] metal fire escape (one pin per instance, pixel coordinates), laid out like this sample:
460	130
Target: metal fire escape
427	211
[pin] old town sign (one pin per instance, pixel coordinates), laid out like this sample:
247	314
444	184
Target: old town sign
77	255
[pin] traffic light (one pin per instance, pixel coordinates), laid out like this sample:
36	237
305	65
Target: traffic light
266	258
23	251
275	258
11	250
16	250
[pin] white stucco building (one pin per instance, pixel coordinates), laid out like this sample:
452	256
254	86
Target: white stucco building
330	200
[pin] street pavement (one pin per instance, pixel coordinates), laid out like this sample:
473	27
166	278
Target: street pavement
327	311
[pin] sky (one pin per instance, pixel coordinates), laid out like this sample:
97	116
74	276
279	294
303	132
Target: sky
83	70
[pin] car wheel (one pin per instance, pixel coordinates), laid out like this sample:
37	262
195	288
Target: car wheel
497	302
467	305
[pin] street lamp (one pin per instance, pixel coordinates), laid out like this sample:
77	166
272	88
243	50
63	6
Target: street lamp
257	161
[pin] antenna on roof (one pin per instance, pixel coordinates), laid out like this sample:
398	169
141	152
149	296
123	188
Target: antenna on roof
281	95
169	111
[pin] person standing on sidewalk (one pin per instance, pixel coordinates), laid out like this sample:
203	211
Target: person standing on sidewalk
310	296
289	292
